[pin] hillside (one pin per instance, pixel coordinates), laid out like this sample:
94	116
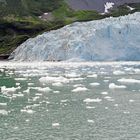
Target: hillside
23	19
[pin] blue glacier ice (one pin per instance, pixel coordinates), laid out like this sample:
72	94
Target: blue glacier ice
110	39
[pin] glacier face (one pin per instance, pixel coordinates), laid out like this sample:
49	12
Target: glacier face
110	39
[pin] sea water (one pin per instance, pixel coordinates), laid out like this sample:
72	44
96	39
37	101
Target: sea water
70	101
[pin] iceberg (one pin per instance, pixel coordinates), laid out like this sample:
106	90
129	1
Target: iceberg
110	39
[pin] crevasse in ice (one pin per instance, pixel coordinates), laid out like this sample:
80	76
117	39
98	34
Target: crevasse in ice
102	40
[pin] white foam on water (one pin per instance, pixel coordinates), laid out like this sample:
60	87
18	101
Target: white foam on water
64	101
129	81
88	100
80	89
114	86
78	85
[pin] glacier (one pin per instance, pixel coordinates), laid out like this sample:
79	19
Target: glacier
110	39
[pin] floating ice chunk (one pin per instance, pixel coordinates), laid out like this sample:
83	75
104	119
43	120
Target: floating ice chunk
129	81
58	84
72	75
107	97
104	93
29	111
94	84
118	72
106	108
88	100
90	121
79	89
116	105
56	91
106	81
64	101
3	104
30	84
131	101
55	124
46	89
20	79
90	107
53	79
78	85
92	76
126	112
17	84
6	90
3	112
114	86
27	90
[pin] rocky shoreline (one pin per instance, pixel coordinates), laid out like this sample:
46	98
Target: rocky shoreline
4	56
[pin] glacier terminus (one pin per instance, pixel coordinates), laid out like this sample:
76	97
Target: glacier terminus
110	39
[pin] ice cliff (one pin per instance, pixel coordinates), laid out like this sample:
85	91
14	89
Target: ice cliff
109	39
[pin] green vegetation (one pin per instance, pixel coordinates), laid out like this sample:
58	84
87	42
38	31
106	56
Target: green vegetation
19	19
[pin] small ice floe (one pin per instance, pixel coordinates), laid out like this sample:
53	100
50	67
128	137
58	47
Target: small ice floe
108	98
114	86
90	107
80	89
55	124
126	112
18	95
58	84
30	84
72	75
118	72
131	101
106	108
29	111
88	100
53	79
17	84
64	101
94	84
3	112
27	90
92	76
20	79
78	85
116	105
104	93
40	89
106	81
129	81
3	104
56	91
90	121
6	90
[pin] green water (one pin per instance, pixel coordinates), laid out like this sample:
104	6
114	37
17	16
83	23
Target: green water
69	101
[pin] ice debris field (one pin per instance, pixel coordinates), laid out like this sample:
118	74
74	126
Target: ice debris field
69	100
